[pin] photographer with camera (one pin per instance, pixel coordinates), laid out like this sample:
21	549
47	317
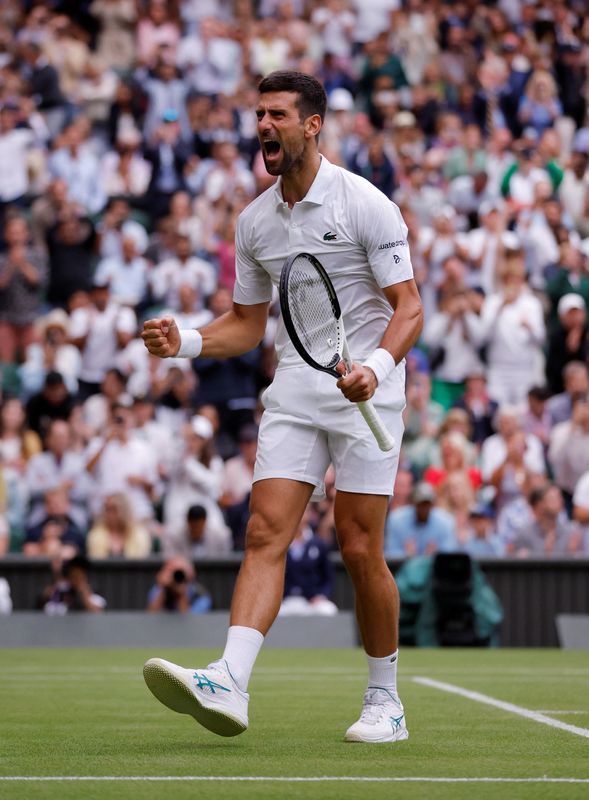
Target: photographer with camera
177	590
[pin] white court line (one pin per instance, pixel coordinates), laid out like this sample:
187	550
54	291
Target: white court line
510	707
560	711
282	779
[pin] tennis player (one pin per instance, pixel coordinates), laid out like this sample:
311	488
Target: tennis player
360	238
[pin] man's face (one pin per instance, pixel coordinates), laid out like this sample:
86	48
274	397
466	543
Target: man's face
281	131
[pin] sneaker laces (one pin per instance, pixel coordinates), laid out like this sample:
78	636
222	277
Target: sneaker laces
375	705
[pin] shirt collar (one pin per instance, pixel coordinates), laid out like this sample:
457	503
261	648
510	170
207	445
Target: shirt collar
317	190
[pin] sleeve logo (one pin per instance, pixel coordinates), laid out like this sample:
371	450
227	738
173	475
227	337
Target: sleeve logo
391	245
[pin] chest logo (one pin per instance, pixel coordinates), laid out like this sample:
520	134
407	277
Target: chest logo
329	236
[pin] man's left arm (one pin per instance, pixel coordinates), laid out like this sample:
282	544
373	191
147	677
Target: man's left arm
399	337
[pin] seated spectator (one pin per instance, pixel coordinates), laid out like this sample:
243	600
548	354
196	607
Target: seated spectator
456	496
52	354
199	539
99	331
423	417
568	341
482	540
79	167
421	528
478	405
52	402
575	378
581	511
96	410
125	172
536	418
56	535
507	423
239	470
569	277
195	480
116	533
58	466
23	278
308	581
550	532
117	461
71	591
539	107
176	589
568	453
183	269
403	489
126	274
454	454
511	477
18	442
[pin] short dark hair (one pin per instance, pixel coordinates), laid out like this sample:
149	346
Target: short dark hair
312	98
196	513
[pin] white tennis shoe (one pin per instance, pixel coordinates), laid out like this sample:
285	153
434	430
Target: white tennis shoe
209	695
382	719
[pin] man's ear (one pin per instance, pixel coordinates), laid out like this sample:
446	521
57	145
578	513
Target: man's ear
313	125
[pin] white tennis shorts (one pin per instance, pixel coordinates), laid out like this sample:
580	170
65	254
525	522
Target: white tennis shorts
307	424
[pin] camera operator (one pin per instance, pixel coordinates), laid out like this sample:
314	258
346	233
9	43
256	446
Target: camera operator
177	590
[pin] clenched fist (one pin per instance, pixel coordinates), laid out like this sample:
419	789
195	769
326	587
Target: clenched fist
161	337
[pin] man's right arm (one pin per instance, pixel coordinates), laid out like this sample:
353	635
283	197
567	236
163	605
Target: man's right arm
236	332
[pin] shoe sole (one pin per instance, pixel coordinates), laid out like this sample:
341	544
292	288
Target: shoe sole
402	736
170	690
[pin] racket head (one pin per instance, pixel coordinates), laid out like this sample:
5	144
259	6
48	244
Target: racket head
311	312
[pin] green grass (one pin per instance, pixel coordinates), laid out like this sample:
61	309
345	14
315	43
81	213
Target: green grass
88	712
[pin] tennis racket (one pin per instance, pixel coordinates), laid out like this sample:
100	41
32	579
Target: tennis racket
313	319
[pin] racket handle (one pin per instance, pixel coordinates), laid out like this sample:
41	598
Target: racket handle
383	438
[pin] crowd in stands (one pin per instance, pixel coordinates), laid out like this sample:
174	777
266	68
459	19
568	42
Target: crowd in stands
128	148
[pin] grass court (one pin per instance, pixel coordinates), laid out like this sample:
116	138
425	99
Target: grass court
87	714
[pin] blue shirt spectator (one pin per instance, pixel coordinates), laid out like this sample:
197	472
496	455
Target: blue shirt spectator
421	528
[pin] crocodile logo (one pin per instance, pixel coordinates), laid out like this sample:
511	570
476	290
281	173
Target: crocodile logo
329	236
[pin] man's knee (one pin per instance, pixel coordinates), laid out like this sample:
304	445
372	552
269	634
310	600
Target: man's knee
265	533
358	551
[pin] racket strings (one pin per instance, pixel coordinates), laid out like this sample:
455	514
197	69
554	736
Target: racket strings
313	315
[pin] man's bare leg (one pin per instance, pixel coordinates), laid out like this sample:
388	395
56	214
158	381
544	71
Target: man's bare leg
359	521
276	509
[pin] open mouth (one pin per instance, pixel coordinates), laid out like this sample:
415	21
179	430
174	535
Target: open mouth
271	148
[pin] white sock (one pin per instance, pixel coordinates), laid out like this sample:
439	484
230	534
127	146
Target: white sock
241	651
382	672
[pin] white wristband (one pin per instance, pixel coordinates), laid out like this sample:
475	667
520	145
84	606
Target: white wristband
381	363
190	344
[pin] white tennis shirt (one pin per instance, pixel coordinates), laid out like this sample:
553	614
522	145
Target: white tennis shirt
355	231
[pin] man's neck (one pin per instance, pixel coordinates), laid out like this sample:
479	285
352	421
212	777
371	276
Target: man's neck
296	183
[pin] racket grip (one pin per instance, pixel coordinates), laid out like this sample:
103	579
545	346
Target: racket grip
383	438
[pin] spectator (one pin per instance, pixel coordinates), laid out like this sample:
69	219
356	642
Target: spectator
573	192
116	533
56	535
568	341
454	453
421	528
18	442
239	470
575	377
494	450
581	511
117	461
116	42
53	402
536	419
482	540
478	405
200	539
551	532
308	582
79	168
168	157
176	589
195	480
568	452
53	353
70	245
126	274
58	466
124	170
23	277
71	591
184	269
15	143
99	331
539	107
513	330
423	418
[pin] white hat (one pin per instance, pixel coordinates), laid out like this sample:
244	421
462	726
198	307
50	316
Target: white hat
340	100
202	426
568	302
135	231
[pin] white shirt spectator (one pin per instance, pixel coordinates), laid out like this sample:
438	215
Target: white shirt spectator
336	26
459	337
45	472
14	179
120	462
100	329
82	174
172	273
214	67
494	452
127	279
483	245
137	180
